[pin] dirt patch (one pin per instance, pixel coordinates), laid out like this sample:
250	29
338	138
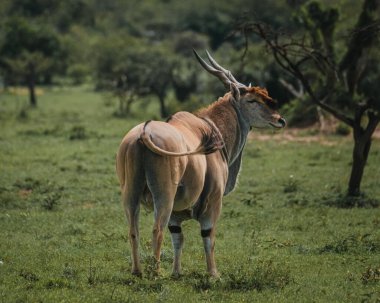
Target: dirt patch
293	135
24	193
304	135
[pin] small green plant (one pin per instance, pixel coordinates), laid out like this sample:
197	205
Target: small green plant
342	129
263	275
249	201
23	114
69	272
28	275
92	275
342	200
148	286
151	266
232	214
352	243
28	184
78	133
371	275
291	185
51	201
57	283
203	283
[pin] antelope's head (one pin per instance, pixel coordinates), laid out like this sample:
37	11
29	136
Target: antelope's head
255	105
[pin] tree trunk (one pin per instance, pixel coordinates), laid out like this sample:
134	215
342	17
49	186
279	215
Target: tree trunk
359	157
121	104
164	112
362	146
130	99
31	86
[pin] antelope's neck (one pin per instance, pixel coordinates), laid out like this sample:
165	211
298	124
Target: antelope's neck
227	117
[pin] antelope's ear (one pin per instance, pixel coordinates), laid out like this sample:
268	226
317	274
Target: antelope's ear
243	90
235	92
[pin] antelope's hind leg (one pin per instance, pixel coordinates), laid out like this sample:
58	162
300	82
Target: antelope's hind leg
162	211
131	194
177	243
132	210
163	191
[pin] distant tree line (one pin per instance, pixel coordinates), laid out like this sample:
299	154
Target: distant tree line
45	42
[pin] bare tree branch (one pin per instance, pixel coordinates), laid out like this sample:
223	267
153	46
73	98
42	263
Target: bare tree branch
290	56
290	87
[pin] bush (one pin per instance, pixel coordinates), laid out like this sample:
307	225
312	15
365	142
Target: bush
342	129
300	113
78	133
264	274
78	73
371	275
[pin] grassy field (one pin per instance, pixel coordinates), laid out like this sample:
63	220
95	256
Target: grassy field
283	235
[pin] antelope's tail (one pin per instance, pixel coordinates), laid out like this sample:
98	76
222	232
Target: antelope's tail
211	141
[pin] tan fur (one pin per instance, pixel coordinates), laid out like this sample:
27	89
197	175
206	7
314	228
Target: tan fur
225	117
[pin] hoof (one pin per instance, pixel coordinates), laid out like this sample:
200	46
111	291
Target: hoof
176	275
215	275
137	273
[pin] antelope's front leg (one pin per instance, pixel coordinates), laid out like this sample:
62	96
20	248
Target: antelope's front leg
208	228
208	236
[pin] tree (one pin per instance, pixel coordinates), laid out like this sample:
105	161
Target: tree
185	72
346	86
27	52
134	68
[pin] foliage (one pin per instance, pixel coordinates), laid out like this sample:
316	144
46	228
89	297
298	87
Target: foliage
89	32
298	113
371	275
139	70
25	45
28	53
342	129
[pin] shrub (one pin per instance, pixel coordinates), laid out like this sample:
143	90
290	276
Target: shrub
78	133
342	129
371	275
263	275
51	201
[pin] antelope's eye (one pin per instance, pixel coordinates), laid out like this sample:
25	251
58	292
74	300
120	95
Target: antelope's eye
252	101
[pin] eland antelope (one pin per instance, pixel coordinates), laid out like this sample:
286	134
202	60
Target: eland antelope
183	167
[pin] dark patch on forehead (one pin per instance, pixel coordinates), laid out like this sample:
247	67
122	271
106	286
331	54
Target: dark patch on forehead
271	103
264	96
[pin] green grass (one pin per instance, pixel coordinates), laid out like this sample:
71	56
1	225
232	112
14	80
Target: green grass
283	235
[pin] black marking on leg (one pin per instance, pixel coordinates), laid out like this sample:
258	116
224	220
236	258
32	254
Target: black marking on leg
205	233
175	229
